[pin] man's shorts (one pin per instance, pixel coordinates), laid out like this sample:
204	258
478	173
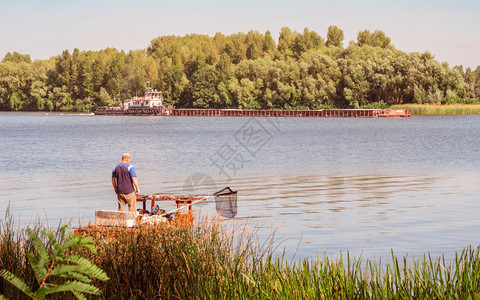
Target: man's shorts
130	199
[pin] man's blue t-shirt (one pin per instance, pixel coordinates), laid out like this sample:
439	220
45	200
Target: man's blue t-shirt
124	173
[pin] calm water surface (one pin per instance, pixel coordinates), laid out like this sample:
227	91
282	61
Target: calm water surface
333	184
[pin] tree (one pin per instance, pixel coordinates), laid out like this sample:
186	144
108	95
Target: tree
202	90
285	42
245	94
176	88
16	58
105	98
472	78
115	78
39	94
16	84
225	67
334	37
375	39
236	48
321	76
309	40
254	43
269	47
15	101
135	72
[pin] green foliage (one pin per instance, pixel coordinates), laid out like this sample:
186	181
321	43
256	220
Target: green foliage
454	99
334	37
437	109
376	105
56	266
16	57
375	39
301	70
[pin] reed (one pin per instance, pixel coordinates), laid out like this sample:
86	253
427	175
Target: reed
210	261
441	109
14	245
179	262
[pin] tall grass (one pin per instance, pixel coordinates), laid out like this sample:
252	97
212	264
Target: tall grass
15	243
179	262
211	262
441	109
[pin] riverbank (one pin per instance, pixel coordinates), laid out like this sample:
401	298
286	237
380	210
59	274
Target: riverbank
209	261
441	109
415	109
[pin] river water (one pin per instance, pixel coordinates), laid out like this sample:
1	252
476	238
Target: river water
322	184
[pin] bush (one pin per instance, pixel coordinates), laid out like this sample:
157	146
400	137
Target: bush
376	105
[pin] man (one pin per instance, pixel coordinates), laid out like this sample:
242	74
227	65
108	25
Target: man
124	179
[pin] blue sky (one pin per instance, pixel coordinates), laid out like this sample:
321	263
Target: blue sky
450	30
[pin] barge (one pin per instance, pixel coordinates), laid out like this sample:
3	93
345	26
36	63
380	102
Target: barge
151	104
339	113
192	112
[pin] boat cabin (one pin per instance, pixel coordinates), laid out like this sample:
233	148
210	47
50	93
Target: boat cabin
152	98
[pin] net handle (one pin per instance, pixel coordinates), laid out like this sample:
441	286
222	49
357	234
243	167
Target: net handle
185	206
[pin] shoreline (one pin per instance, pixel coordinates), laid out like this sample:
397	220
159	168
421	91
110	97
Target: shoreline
441	109
415	109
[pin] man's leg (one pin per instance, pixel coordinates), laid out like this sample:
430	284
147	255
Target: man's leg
131	199
121	202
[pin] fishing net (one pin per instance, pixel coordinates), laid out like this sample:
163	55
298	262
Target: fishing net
226	202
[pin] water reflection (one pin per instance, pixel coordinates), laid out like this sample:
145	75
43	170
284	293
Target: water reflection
361	213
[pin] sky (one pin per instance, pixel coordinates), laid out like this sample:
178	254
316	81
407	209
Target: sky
450	30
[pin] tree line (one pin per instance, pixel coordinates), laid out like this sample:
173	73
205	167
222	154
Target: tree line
302	70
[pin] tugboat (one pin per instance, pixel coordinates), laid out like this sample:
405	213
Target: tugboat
149	104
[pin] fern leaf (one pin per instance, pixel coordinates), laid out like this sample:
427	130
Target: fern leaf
78	260
88	268
17	282
79	296
65	234
42	251
61	269
38	267
2	297
77	276
75	286
80	273
41	293
81	241
58	254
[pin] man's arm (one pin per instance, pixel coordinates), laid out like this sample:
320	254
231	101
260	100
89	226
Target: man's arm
114	183
135	183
